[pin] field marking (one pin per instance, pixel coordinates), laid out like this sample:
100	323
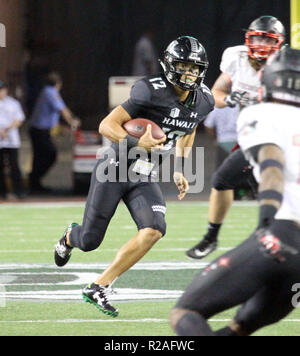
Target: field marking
81	204
151	266
111	250
63	321
122	294
82	276
75	321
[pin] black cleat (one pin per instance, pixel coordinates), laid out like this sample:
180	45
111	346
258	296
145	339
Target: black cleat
63	252
97	295
202	249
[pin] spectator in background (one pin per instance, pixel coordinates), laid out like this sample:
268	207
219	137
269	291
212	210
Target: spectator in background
45	116
145	57
36	67
221	125
11	118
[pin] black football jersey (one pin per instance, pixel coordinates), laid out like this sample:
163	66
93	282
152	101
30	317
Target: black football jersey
154	98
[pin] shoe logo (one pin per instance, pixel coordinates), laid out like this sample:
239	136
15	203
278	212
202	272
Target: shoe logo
202	253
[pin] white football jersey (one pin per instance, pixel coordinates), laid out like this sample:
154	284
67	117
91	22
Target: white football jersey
280	125
235	63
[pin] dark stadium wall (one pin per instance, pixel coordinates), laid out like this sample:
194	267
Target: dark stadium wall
89	41
12	16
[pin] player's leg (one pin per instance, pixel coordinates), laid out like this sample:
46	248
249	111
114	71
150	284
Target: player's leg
268	306
126	257
274	301
230	280
129	255
102	201
232	173
147	207
220	202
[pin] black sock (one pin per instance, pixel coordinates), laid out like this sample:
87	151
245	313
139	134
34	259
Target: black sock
212	232
225	332
193	324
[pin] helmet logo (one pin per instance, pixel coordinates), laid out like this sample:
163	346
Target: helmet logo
194	56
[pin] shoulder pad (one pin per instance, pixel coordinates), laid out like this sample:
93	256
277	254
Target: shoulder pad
208	95
156	82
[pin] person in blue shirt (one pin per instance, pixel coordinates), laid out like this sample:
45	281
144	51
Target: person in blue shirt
47	111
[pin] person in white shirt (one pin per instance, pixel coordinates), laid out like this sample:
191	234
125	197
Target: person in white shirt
11	118
262	273
238	85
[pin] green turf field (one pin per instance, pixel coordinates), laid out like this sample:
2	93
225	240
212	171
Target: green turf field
36	298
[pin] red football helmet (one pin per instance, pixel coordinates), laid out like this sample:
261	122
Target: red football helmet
264	36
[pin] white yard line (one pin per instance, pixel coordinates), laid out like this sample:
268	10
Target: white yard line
158	265
110	250
80	204
117	320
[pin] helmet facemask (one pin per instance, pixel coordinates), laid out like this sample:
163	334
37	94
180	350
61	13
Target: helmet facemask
261	45
176	75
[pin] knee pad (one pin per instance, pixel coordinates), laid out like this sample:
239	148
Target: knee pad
148	215
160	223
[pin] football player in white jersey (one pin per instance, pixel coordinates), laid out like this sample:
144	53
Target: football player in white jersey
238	84
262	273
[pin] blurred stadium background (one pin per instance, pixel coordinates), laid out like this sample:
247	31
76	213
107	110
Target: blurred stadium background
89	42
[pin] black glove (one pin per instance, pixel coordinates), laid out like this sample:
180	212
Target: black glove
234	98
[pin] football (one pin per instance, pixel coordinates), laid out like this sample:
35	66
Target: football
137	128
